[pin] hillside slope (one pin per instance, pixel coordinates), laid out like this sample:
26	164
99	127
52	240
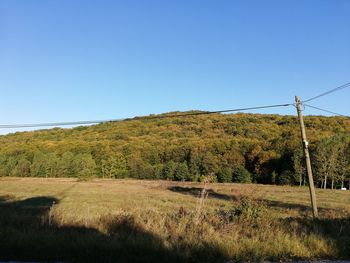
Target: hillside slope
233	147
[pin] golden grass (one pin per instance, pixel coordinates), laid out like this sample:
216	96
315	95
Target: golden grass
237	221
106	196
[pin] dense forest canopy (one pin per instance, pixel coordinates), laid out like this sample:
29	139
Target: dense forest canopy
234	147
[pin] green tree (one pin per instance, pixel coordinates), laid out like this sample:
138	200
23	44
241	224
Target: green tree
22	168
37	167
158	170
169	170
136	166
326	158
225	175
286	177
66	165
51	165
299	166
181	172
3	161
85	166
242	175
210	164
114	167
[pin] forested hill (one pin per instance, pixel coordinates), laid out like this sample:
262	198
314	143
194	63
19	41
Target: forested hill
233	147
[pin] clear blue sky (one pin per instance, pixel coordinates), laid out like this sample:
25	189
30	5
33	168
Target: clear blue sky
79	60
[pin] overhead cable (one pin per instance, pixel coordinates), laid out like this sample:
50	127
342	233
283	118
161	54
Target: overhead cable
74	123
346	85
324	110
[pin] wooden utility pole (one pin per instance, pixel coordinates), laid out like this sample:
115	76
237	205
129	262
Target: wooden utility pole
307	158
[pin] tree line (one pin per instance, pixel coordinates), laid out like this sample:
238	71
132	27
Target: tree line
232	147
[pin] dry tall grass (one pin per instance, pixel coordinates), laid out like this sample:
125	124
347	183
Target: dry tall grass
156	221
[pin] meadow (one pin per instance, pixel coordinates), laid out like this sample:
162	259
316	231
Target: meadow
128	220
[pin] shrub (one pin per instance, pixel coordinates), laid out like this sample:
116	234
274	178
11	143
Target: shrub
244	210
249	208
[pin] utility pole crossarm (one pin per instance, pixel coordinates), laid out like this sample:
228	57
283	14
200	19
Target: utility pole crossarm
307	157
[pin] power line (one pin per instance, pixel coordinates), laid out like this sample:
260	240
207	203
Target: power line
346	85
213	112
11	126
324	110
56	124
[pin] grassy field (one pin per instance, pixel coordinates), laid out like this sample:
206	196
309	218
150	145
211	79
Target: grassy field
160	221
